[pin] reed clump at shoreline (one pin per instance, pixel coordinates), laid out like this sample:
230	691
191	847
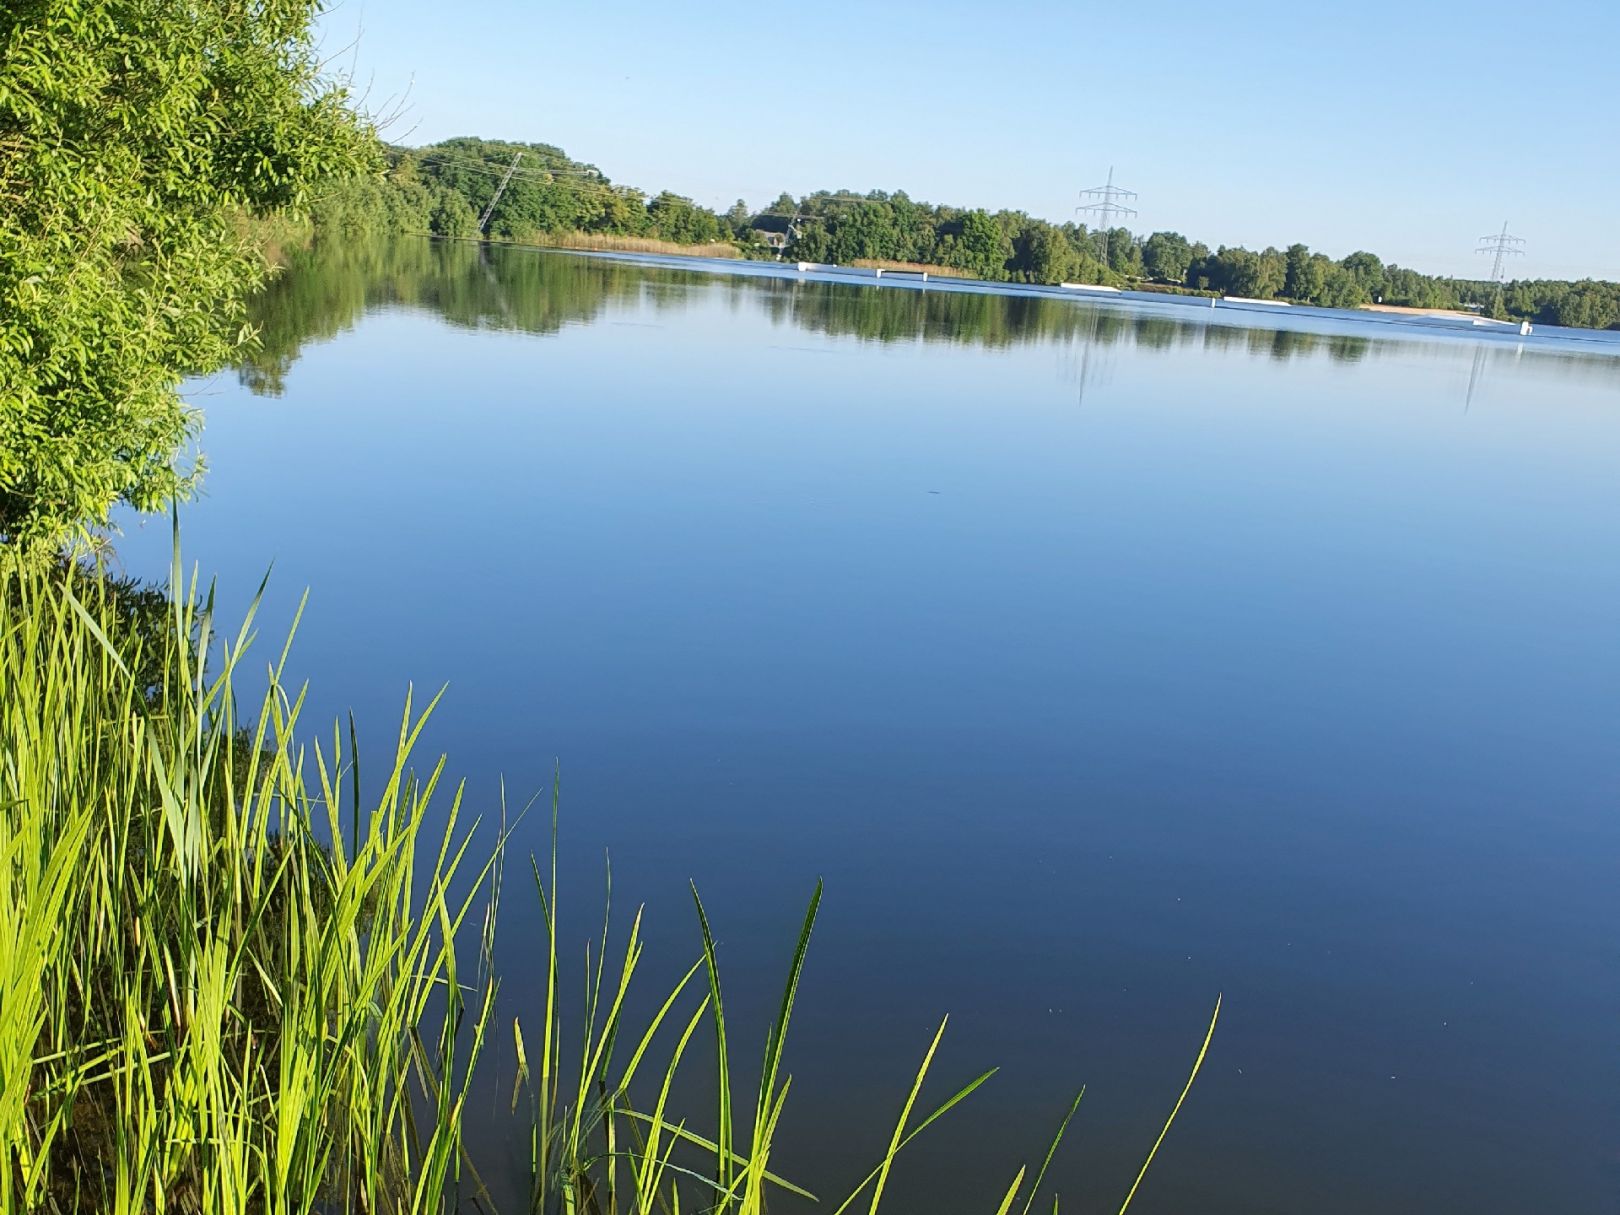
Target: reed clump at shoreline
231	985
605	242
240	979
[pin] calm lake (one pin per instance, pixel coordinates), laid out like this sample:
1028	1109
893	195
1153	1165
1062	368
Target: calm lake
1102	659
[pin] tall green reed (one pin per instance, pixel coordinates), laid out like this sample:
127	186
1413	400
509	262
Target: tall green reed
229	984
234	982
585	1131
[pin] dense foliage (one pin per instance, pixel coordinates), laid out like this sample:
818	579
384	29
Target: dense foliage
133	138
443	189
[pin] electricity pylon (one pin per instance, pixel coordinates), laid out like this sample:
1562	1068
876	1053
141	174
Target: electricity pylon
483	220
1503	246
1107	203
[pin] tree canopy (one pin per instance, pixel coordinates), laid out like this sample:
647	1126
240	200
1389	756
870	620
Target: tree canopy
444	188
133	139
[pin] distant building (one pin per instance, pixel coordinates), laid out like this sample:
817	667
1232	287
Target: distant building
773	231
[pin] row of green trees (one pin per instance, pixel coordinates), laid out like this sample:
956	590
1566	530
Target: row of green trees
445	187
1010	246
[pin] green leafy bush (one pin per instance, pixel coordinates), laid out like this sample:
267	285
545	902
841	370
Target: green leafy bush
133	133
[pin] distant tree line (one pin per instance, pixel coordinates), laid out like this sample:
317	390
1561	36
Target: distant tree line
1010	246
444	188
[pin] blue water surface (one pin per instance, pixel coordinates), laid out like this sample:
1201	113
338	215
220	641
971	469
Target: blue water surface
1102	658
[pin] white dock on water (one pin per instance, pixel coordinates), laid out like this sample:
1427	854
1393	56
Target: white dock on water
863	271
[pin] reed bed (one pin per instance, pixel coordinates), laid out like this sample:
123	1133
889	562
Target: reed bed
607	242
237	978
229	984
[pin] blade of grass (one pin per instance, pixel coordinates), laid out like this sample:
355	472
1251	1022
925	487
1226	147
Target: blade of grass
1052	1151
1187	1088
723	1154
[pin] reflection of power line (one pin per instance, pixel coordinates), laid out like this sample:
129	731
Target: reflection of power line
1475	375
1502	245
1107	203
1092	366
500	291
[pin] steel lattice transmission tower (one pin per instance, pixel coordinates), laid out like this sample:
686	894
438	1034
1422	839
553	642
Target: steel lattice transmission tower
483	220
1107	204
1503	246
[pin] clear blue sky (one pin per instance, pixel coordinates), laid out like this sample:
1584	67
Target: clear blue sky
1405	128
